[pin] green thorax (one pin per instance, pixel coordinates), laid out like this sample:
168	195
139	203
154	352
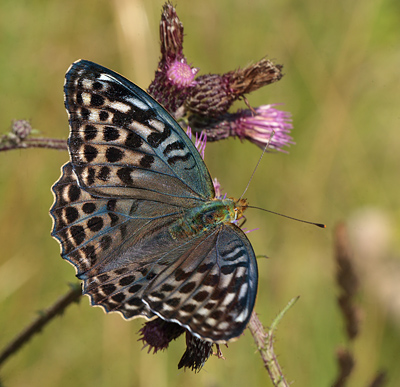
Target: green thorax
205	217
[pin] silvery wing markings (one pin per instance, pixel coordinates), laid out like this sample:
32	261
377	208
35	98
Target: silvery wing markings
135	213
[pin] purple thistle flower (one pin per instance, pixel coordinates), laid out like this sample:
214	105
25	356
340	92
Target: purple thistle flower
259	127
255	125
180	74
211	97
205	101
217	188
214	94
208	96
200	140
21	128
174	78
197	353
200	143
157	334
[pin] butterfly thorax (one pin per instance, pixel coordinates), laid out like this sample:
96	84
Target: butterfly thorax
208	216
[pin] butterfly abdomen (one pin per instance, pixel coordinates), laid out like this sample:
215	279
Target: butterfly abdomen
203	218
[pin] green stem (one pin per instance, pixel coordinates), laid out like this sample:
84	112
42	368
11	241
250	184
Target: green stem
264	343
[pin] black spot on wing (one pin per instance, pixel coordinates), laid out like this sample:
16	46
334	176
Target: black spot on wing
90	153
103	115
73	193
189	308
172	160
122	119
104	173
156	138
97	85
134	288
124	175
91	176
111	204
211	280
177	145
77	234
114	218
90	132
114	154
133	141
174	302
187	288
125	281
117	92
110	134
146	161
95	224
96	100
135	301
118	297
85	113
108	289
201	296
79	99
89	208
167	288
105	242
72	214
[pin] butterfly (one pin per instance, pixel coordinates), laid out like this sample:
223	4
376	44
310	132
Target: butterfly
135	213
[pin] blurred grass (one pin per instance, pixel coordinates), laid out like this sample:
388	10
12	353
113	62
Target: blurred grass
341	85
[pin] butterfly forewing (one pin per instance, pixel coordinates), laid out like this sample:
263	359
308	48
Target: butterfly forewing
133	176
124	144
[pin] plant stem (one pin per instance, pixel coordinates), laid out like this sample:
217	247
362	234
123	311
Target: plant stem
264	343
45	317
34	142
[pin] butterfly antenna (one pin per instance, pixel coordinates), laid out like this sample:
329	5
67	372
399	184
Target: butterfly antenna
320	225
258	163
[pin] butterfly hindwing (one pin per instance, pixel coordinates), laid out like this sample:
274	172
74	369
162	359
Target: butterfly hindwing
106	238
211	288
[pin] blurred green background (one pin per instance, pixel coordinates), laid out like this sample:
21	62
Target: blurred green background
341	61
